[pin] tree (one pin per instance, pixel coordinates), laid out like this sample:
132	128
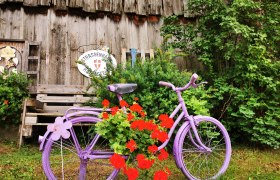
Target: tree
239	44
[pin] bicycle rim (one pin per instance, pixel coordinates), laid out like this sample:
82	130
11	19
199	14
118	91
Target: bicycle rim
61	159
197	163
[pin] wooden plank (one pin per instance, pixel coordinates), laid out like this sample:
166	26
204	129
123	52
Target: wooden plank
133	38
62	99
130	6
15	24
54	110
67	56
178	7
27	130
142	55
30	3
75	3
152	55
79	40
155	7
63	89
6	28
50	114
60	4
167	7
22	122
117	6
123	58
143	36
142	7
30	120
154	37
57	50
89	6
103	5
44	2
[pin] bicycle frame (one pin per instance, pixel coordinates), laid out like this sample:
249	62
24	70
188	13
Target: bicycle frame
183	115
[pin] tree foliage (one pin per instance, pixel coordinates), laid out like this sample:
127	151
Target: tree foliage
239	44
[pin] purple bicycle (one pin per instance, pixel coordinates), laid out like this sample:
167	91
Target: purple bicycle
201	149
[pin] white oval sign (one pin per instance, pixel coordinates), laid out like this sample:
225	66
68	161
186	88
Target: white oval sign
95	60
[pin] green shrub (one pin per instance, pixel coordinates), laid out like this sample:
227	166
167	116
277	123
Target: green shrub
13	89
154	98
238	43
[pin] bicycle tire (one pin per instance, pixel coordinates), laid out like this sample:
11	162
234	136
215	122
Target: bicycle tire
193	160
71	167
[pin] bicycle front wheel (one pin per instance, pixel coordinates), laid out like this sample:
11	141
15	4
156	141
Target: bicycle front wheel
65	158
198	163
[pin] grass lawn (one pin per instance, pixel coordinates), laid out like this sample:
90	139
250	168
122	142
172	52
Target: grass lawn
246	163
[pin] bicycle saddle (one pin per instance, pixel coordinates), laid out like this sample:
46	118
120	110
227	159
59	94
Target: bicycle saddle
122	88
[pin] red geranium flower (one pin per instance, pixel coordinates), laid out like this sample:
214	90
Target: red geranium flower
130	116
160	135
144	163
114	110
117	161
163	155
123	103
136	99
131	145
105	103
105	115
131	173
150	126
136	108
160	175
163	136
163	117
140	156
166	121
138	124
152	149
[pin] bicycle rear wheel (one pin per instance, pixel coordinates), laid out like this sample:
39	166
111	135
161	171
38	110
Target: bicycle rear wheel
64	159
196	162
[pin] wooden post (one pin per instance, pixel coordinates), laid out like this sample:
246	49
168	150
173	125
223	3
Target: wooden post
152	55
22	123
123	58
143	55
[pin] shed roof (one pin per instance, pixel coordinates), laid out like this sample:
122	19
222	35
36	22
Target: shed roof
139	7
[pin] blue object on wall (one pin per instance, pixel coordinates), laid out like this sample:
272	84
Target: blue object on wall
133	53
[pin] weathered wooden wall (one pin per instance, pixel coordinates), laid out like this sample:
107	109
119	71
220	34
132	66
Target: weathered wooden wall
67	28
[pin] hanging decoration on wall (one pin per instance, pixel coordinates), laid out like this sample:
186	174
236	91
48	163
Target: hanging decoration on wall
8	59
96	61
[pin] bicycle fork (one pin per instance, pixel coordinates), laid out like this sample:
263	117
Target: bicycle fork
191	121
197	141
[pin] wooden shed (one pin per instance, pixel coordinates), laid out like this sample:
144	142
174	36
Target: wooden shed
52	34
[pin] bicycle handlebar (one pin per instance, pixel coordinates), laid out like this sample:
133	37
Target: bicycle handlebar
191	83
